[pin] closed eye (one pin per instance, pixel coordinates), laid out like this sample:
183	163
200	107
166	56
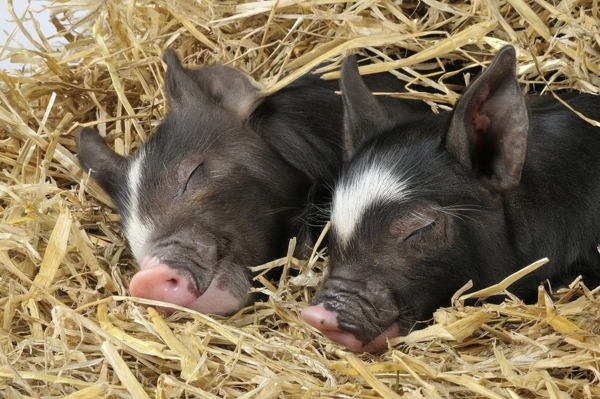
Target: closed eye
422	230
196	171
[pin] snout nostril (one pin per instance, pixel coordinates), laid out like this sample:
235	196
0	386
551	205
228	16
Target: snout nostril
173	282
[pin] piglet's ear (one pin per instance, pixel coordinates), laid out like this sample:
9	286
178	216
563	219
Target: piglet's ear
180	89
224	86
489	127
364	117
107	166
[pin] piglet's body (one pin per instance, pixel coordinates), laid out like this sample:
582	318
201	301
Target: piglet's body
225	182
427	204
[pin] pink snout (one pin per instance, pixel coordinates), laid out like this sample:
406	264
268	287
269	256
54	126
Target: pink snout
326	322
160	282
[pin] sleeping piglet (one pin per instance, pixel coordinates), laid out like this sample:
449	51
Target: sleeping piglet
426	204
224	183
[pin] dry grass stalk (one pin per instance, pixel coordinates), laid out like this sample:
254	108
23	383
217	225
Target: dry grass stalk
68	328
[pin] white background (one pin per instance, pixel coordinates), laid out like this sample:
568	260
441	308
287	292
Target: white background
19	40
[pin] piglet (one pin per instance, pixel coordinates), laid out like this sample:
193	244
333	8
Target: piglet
224	183
426	204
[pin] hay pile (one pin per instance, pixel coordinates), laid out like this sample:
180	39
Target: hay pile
68	328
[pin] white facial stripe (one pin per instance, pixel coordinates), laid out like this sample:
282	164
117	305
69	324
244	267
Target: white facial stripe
137	228
373	185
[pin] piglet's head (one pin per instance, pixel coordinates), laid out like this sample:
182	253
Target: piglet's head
413	197
204	198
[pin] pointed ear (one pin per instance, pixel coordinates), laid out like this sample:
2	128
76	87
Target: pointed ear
108	167
180	89
489	127
224	86
364	117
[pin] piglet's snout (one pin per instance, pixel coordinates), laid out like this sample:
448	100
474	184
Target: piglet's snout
326	322
159	281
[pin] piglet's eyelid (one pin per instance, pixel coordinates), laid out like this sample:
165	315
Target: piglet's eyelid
422	230
192	173
200	165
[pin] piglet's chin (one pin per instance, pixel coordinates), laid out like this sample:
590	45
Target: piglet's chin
216	301
160	282
326	322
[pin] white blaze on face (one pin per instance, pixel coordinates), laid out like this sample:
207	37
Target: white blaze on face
371	185
137	228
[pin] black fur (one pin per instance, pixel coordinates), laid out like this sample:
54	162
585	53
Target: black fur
231	171
495	207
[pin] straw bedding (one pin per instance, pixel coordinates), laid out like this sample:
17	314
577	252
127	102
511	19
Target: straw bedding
68	327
